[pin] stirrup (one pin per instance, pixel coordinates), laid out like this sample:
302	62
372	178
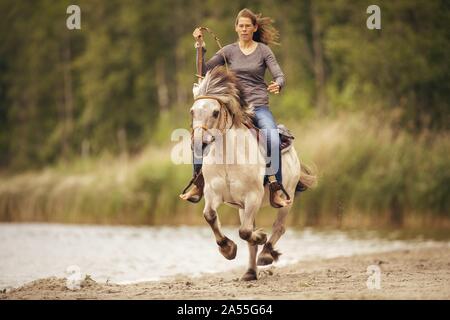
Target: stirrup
199	182
274	186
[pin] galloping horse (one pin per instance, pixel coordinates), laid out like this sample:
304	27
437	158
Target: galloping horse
220	114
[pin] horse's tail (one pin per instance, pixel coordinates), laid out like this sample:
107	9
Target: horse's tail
307	178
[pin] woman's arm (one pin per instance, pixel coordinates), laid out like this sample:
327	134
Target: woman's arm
274	67
216	60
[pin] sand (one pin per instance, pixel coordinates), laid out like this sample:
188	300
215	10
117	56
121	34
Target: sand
405	274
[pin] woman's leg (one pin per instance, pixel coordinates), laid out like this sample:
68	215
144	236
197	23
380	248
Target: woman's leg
264	120
196	192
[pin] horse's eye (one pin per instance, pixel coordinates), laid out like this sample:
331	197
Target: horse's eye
216	113
192	112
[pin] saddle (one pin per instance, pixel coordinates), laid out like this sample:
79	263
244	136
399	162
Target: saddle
286	138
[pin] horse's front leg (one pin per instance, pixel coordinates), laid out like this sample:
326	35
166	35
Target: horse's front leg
247	215
250	274
253	237
226	246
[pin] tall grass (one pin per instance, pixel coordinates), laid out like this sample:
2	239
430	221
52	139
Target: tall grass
373	174
370	174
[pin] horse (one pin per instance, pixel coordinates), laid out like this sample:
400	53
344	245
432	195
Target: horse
220	114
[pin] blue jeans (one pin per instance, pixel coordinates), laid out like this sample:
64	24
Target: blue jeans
263	120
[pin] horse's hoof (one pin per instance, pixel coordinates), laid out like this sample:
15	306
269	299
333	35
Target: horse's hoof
250	275
268	255
264	259
228	248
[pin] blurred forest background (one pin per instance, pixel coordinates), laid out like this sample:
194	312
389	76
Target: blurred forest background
86	115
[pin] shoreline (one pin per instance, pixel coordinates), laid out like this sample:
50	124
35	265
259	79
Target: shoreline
405	274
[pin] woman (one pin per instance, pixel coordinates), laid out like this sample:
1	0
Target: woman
249	58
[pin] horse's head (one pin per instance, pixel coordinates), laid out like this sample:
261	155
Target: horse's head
209	117
219	104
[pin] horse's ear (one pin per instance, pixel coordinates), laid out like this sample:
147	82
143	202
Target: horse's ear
195	90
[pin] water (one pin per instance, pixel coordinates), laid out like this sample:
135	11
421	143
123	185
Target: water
132	254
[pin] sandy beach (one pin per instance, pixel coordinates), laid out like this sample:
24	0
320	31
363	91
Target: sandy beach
406	274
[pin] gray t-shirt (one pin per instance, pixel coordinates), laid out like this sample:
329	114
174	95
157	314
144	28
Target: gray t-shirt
249	69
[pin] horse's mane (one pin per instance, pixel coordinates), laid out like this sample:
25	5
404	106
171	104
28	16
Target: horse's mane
224	86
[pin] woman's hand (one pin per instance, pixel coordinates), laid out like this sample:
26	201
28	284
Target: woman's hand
273	87
198	34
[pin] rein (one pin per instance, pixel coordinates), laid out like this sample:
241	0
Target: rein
200	52
223	107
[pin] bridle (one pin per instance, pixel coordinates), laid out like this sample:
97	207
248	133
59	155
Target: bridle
223	110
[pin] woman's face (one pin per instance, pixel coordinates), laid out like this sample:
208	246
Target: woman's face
245	29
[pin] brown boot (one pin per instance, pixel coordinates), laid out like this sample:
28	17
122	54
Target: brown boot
196	193
276	200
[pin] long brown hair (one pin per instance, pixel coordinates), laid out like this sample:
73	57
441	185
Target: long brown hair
266	32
